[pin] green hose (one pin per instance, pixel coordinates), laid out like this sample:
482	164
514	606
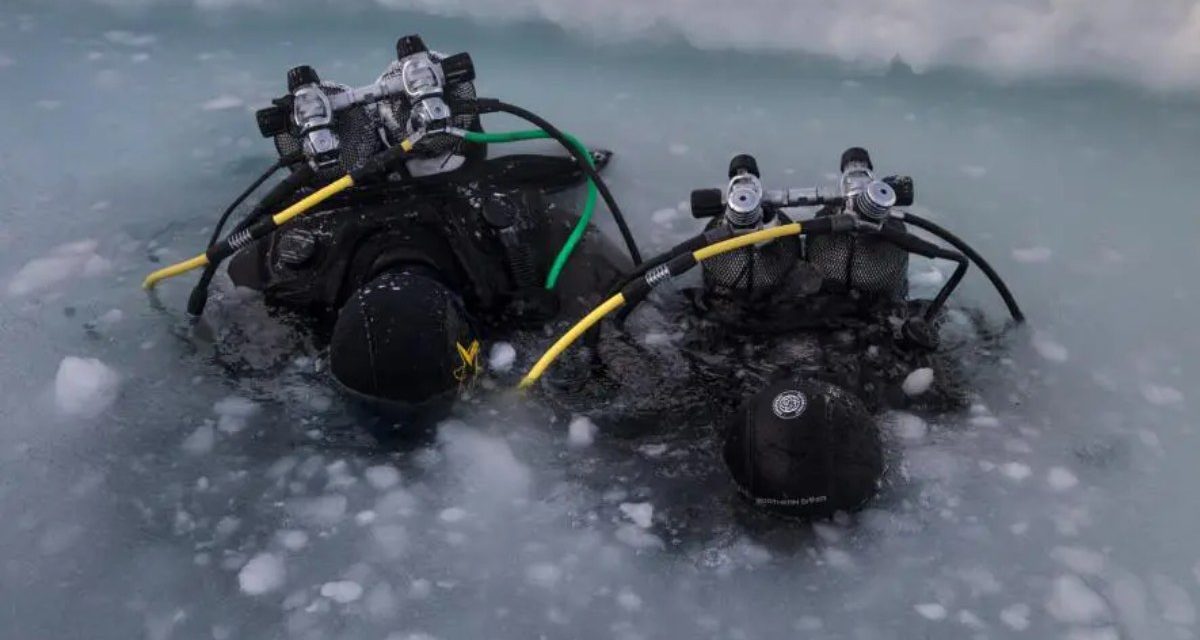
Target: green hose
589	205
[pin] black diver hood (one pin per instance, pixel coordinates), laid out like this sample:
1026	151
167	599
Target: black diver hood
805	449
404	344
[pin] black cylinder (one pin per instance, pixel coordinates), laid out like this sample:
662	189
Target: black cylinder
408	45
300	76
743	162
906	192
458	68
707	203
855	154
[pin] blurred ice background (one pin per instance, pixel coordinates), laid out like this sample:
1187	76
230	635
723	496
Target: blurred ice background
162	482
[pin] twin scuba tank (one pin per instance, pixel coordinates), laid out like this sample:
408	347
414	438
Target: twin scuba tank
794	266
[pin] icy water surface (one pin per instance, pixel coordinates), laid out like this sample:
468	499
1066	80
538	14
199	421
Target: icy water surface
161	481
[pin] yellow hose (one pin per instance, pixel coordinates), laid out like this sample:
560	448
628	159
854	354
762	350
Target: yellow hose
313	199
615	302
174	270
737	242
597	314
306	203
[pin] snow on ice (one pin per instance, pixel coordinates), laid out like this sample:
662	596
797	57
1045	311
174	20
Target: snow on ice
130	39
581	432
501	357
1048	348
63	263
917	382
543	574
342	591
640	513
382	477
221	103
931	611
200	441
1161	395
1061	479
233	413
84	387
1072	601
263	574
1032	255
1016	616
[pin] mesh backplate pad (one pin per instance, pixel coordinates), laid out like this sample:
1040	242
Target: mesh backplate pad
861	262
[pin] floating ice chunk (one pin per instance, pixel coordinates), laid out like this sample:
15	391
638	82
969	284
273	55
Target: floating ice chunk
664	217
84	387
1048	348
411	635
969	619
1092	633
1031	255
985	421
1074	602
931	611
652	450
293	539
1079	559
233	413
639	538
931	277
543	574
110	318
1061	479
808	623
641	513
381	602
452	514
628	600
502	357
364	518
678	149
581	432
200	441
392	539
382	476
486	464
322	511
917	382
263	574
130	39
221	103
63	263
908	426
1161	395
1016	616
1016	470
838	558
1177	606
342	591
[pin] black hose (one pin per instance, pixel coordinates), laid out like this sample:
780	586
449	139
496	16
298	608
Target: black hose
492	104
216	234
921	223
280	192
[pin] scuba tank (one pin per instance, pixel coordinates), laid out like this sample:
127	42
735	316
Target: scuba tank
756	272
862	263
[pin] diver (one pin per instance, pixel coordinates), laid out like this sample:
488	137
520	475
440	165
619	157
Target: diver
798	335
400	242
